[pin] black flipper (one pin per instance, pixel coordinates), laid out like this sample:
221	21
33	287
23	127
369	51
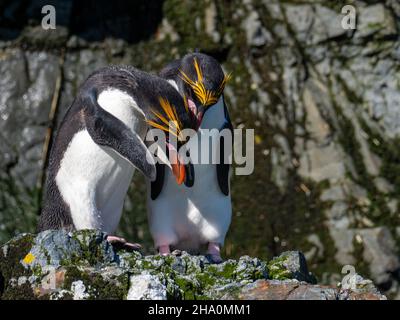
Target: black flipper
107	130
189	171
223	168
157	185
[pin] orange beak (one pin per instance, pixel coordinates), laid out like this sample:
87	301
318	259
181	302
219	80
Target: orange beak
179	172
178	169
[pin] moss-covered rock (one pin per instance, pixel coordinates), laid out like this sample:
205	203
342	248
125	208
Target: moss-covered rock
290	265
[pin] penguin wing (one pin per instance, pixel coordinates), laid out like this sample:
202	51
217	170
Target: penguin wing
107	130
223	168
189	170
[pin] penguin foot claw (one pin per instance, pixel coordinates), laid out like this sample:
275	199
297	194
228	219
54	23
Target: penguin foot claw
115	239
121	243
214	258
132	246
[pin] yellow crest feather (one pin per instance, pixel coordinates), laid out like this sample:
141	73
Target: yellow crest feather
170	122
206	97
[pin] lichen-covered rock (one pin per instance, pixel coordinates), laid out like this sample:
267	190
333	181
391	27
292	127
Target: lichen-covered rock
290	265
82	265
146	287
358	288
56	248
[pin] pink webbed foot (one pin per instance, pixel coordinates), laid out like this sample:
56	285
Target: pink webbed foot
121	243
214	253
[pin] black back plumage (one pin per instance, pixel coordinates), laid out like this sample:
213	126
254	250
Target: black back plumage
143	87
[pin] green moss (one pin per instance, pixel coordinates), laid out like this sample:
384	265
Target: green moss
37	271
19	292
206	279
189	288
377	211
188	19
17	249
350	94
130	259
96	286
18	208
277	269
226	271
388	151
11	267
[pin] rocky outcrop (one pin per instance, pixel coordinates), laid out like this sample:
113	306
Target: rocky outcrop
83	265
323	100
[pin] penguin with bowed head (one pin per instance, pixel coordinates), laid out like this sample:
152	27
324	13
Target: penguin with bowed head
100	143
198	213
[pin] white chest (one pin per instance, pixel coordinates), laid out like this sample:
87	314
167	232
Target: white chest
196	215
93	180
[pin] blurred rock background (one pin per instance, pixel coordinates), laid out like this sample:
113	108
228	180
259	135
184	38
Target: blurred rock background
324	103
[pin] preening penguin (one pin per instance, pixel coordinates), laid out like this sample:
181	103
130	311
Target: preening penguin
198	212
99	145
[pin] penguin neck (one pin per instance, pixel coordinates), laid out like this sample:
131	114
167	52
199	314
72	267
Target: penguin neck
214	117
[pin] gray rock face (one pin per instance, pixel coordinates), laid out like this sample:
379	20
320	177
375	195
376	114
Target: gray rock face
256	34
81	265
376	20
27	89
379	248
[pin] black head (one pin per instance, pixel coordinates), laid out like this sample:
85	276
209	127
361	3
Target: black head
172	116
200	80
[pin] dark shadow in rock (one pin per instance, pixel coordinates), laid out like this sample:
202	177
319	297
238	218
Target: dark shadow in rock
221	54
129	20
91	20
385	286
388	284
17	14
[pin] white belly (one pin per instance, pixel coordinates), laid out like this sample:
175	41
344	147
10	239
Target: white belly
189	217
93	180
